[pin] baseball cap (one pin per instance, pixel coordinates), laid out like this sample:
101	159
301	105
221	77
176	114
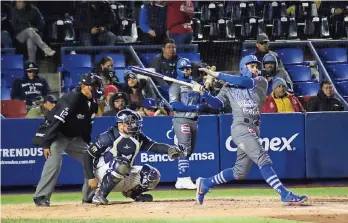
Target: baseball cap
110	89
30	66
149	103
119	95
262	38
50	98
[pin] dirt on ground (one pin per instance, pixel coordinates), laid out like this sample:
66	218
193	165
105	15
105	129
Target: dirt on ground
318	209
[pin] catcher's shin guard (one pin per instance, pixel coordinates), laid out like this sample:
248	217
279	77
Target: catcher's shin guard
108	183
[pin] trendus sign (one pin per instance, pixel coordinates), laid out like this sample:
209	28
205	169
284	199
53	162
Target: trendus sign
276	144
21	152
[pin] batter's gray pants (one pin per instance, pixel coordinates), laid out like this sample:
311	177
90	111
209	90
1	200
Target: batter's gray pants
75	148
250	150
32	39
186	133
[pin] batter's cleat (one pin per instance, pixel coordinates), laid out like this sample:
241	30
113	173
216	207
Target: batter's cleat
185	183
42	201
99	199
201	191
143	198
293	199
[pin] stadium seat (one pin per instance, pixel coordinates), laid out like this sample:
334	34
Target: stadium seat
120	74
72	77
290	56
5	93
338	72
299	73
193	57
342	88
147	58
306	88
118	59
10	75
72	61
12	62
333	55
13	108
247	52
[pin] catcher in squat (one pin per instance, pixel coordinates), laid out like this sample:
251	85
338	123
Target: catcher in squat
108	163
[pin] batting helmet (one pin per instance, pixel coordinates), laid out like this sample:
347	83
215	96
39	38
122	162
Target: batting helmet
180	66
244	71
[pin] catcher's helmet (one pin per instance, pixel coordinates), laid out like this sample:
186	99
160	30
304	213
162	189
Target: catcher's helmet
131	118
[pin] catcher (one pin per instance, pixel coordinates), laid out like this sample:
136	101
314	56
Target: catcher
108	163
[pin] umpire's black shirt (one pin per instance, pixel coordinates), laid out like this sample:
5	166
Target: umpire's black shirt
72	116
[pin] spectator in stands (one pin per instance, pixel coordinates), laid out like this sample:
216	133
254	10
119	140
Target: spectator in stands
179	19
272	70
6	40
262	48
104	105
165	63
27	22
136	90
325	100
153	22
31	86
104	68
117	102
96	20
49	101
150	108
280	101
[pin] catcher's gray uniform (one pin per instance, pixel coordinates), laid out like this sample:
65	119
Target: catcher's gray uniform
185	119
246	107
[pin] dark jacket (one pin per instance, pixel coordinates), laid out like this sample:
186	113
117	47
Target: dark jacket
28	17
323	103
72	116
29	89
164	66
95	14
153	17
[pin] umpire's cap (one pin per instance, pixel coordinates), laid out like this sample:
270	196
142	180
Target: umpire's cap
91	79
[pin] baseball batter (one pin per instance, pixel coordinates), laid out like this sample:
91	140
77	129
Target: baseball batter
108	163
246	96
186	105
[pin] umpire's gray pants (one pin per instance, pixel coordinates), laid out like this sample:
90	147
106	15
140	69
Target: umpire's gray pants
32	39
186	133
250	150
76	148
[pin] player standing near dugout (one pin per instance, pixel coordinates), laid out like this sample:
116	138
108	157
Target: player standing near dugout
69	131
186	105
246	95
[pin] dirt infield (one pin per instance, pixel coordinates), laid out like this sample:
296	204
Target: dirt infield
318	209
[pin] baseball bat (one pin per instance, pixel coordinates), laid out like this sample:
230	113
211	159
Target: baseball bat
155	74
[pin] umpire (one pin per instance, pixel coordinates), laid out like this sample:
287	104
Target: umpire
69	131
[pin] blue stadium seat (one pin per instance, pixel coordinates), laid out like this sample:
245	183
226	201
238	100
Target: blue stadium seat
120	74
119	59
338	72
5	93
248	52
147	58
299	73
12	62
72	77
193	57
306	88
333	55
71	61
10	75
342	88
290	55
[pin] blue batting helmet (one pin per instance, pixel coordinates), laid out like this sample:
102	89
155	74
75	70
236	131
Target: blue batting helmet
180	65
244	71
